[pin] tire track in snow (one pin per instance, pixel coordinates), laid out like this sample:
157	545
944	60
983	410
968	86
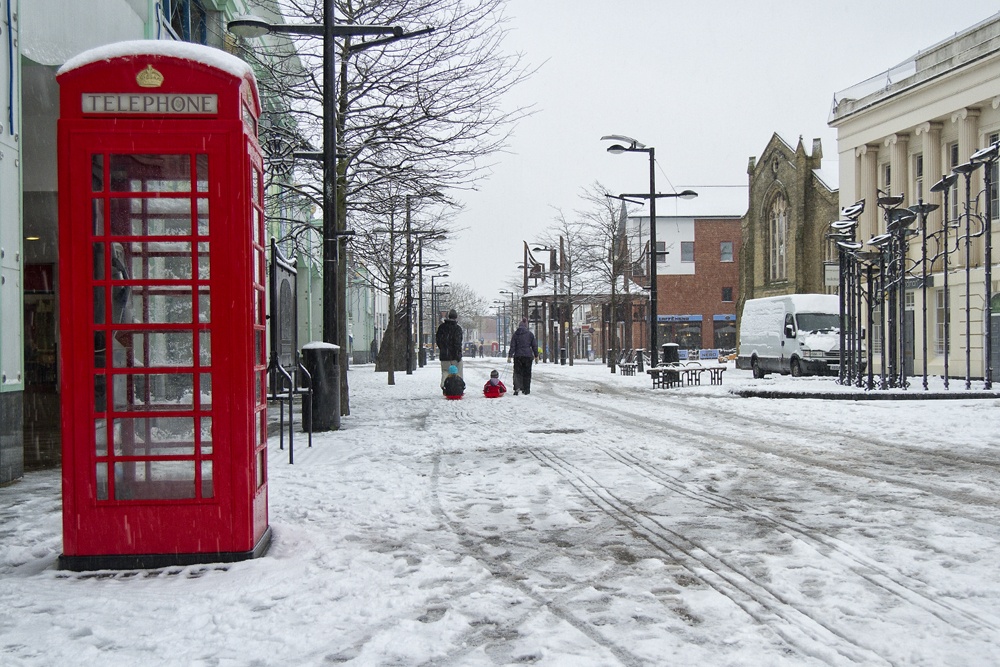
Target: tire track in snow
807	634
707	409
708	435
506	573
906	588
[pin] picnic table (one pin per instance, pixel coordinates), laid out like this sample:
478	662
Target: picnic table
679	375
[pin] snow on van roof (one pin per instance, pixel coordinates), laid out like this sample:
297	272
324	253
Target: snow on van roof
205	55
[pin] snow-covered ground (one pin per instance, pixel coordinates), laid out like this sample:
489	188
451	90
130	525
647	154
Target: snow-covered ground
595	522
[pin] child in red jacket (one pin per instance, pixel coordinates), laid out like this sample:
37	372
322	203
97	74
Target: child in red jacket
494	388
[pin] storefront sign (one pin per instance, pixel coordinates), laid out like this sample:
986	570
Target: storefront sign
151	103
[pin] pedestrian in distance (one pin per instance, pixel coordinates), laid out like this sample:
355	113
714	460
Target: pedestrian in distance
524	349
454	385
494	387
449	342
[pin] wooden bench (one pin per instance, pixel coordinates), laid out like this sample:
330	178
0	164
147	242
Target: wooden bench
627	369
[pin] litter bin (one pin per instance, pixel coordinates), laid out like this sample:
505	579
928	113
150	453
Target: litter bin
671	353
322	360
562	356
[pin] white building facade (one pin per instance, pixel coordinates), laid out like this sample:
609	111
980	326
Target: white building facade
37	37
900	133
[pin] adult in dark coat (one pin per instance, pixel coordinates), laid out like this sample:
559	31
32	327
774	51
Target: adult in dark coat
449	342
524	350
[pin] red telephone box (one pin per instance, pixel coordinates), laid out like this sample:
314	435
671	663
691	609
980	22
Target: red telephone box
161	275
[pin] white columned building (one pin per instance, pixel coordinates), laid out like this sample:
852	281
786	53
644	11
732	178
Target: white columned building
902	131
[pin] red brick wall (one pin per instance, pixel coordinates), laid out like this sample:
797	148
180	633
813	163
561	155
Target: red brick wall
701	293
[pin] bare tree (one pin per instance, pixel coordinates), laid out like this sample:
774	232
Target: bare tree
392	253
469	304
388	276
415	115
605	254
565	236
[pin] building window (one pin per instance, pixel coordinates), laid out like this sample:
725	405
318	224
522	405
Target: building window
687	251
661	252
188	20
887	179
727	294
726	251
940	317
918	176
778	238
725	336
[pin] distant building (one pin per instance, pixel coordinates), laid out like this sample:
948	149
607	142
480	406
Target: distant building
899	132
792	202
698	277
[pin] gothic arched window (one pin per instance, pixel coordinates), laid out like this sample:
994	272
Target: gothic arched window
777	238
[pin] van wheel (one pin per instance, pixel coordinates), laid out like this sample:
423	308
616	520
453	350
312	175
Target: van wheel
796	369
758	373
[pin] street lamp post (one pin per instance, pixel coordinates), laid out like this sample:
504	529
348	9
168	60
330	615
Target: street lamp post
434	304
252	27
550	334
422	354
989	157
409	291
513	308
501	306
635	147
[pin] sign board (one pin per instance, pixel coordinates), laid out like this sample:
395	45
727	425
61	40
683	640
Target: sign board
831	274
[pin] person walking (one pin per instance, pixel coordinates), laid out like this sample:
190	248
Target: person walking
524	349
449	342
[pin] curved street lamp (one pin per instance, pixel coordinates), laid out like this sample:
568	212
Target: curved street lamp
252	27
635	147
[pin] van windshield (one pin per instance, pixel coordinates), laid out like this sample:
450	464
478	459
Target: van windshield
818	322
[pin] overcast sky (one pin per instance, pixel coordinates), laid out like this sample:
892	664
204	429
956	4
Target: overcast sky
704	83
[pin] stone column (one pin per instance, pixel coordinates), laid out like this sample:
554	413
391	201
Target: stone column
930	133
968	139
868	188
897	145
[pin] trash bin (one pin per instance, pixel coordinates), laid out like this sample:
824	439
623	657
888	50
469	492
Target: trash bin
322	360
562	356
671	353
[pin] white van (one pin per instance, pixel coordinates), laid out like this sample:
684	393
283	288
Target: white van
797	334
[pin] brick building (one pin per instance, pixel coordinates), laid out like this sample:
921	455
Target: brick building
698	279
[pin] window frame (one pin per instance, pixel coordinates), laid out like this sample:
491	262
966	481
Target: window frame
723	252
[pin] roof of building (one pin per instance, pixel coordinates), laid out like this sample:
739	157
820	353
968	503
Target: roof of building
713	201
979	41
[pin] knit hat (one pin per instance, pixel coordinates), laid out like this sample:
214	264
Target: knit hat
494	374
453	369
452	314
524	321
